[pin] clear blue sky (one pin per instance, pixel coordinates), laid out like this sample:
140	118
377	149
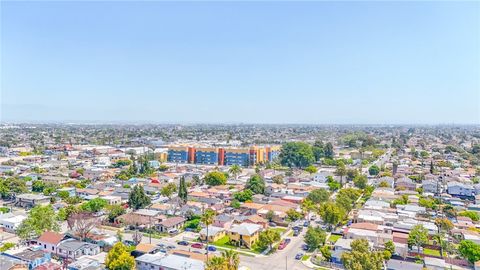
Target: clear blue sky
252	62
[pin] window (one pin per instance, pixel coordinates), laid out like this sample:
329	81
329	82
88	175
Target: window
44	246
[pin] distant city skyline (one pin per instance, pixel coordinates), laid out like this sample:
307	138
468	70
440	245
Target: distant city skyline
240	62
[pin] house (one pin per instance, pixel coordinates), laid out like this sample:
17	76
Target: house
431	186
10	222
340	246
85	263
167	262
214	233
31	257
256	219
223	221
386	179
245	234
405	183
71	191
73	249
49	241
112	200
435	263
29	200
460	189
142	248
171	224
84	192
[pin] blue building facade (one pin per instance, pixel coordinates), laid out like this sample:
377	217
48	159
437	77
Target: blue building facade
235	158
177	156
206	157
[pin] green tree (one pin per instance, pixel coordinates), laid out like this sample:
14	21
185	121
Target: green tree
329	150
418	237
278	179
235	204
315	238
168	190
326	252
293	215
63	194
215	263
137	198
118	258
256	184
235	170
318	195
331	213
39	220
207	220
390	246
383	184
231	258
215	178
318	150
270	215
296	154
115	211
469	250
267	238
346	198
361	257
341	171
471	214
360	181
374	170
311	169
94	205
243	196
182	190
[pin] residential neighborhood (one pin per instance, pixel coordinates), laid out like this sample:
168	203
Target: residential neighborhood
409	200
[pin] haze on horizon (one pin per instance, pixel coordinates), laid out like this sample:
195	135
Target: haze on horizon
234	62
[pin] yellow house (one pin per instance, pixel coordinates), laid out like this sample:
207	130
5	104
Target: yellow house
214	234
245	234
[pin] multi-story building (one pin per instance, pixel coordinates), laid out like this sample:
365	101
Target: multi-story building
178	154
208	156
222	156
237	156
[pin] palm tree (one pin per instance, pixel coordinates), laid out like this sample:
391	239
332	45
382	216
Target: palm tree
216	263
235	170
207	220
231	258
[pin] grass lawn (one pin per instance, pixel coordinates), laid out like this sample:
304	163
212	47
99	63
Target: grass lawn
432	252
223	242
334	237
305	257
278	229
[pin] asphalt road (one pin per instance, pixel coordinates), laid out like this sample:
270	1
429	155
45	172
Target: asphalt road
282	259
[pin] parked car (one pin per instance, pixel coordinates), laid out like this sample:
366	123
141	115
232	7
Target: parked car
297	228
298	256
197	245
313	217
288	240
281	246
182	243
296	232
272	224
306	224
212	248
171	247
305	247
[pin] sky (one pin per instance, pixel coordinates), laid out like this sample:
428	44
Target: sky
240	62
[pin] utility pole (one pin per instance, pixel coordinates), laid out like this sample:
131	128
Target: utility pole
286	266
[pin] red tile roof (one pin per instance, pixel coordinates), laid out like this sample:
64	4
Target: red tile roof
51	238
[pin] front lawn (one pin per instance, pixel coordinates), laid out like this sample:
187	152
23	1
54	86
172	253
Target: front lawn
432	252
279	230
224	242
305	257
334	237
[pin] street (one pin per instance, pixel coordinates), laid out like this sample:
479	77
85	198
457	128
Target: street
281	259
